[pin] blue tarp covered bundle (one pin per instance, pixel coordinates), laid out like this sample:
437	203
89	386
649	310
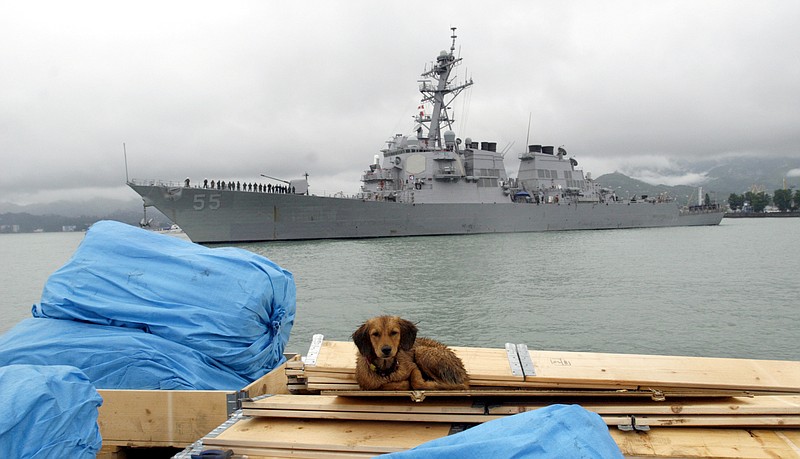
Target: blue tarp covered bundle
557	431
135	309
232	305
114	357
48	412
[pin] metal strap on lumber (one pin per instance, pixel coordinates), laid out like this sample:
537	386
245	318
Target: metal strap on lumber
519	359
525	360
458	428
234	400
197	447
633	426
313	350
260	397
225	425
193	449
513	360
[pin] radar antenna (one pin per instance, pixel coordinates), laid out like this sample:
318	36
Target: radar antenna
441	92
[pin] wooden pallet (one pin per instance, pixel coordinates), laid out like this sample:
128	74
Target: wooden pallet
693	407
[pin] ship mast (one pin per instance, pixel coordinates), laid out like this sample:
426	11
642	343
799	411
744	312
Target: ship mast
441	95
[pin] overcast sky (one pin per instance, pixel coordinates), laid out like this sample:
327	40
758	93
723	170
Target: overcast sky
235	89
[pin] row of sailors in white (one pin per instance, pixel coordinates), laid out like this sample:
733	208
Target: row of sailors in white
239	186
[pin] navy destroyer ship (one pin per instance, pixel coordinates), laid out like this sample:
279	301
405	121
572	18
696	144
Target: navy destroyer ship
430	182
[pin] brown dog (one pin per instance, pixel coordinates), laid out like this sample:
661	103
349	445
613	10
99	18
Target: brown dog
391	357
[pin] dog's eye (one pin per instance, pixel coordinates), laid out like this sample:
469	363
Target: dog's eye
393	333
376	334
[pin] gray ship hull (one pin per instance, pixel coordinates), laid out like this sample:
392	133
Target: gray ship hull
223	216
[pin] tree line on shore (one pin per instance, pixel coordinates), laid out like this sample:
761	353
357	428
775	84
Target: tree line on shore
757	201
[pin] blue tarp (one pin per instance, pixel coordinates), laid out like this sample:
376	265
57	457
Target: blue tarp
48	412
557	431
114	357
234	306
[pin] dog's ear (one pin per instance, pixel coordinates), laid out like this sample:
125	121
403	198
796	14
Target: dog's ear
361	338
408	334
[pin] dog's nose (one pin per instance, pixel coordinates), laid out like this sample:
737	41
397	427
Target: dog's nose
386	350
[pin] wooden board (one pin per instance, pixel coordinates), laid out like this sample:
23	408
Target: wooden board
762	405
527	393
481	364
272	453
326	435
665	371
329	386
583	370
690	420
487	364
381	405
150	418
675	420
330	376
335	356
379	417
273	382
705	443
159	417
760	411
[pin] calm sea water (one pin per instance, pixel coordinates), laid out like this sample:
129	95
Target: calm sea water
726	291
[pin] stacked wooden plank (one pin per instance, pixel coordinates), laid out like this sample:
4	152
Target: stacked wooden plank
316	438
332	368
731	411
312	438
655	406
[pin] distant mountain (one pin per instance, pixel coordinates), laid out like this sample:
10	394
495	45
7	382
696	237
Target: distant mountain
722	177
96	206
740	175
80	215
626	187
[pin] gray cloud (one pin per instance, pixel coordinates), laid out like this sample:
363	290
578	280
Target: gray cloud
232	90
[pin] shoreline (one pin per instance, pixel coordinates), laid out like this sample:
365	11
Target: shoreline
761	215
